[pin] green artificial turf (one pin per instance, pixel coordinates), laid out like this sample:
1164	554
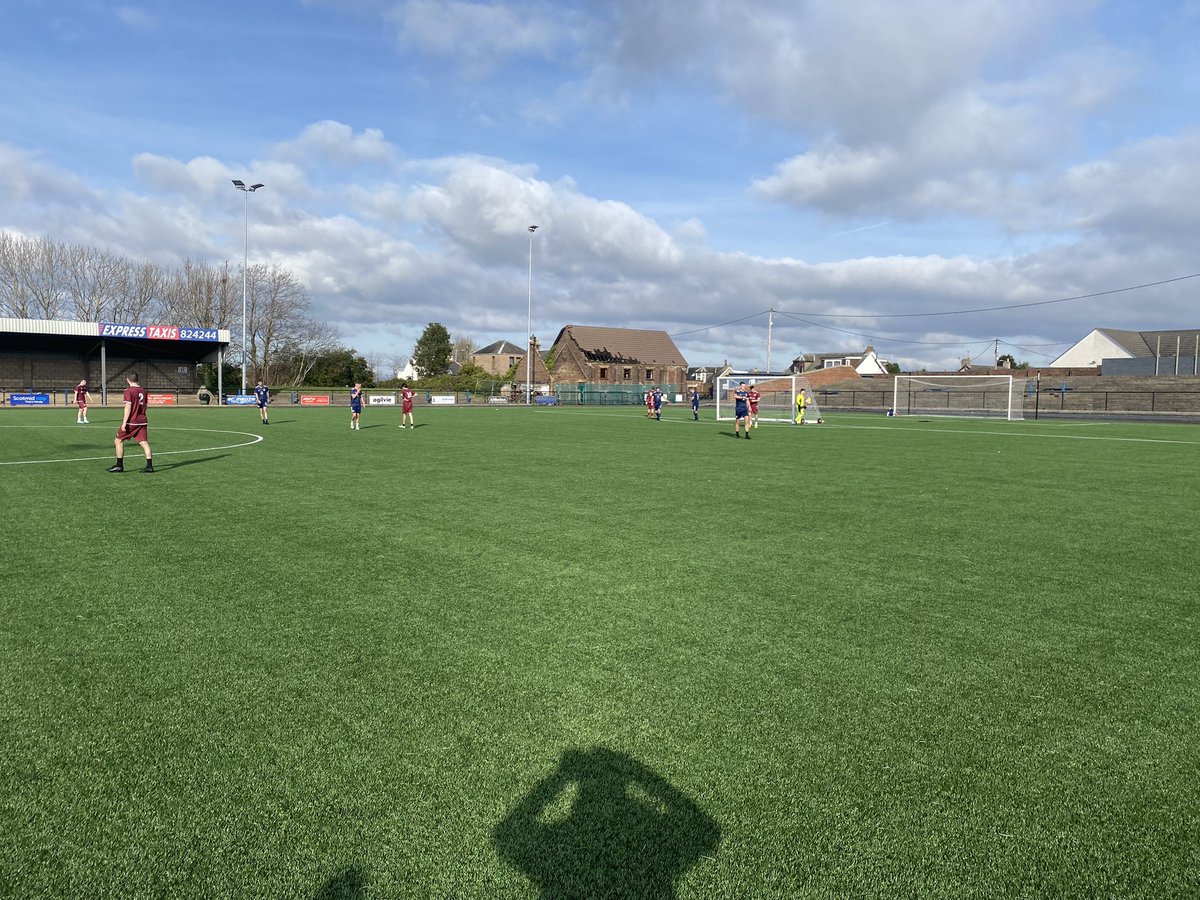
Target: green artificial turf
575	653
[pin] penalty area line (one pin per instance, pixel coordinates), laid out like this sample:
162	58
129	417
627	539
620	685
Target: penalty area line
256	438
1015	434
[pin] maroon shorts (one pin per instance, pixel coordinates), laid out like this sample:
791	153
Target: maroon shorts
406	408
132	433
83	404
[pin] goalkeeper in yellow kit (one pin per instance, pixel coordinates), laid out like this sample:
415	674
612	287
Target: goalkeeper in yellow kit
801	405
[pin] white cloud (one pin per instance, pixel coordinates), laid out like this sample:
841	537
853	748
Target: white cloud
482	36
338	143
135	17
445	239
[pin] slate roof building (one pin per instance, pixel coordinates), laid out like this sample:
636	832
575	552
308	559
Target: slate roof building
498	357
1120	352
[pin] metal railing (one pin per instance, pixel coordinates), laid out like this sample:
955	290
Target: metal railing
1163	402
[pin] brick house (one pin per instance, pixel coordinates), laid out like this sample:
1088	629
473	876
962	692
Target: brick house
612	357
497	358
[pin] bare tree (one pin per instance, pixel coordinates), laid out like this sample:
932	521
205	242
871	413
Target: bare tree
14	291
298	354
96	281
144	284
44	279
279	310
31	277
201	295
461	348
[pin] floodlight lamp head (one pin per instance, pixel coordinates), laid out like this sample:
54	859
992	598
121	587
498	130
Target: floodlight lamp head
532	229
239	184
255	187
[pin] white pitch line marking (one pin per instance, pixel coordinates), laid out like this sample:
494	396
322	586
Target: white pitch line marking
34	462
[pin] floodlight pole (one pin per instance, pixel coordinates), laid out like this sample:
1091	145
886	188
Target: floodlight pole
248	190
529	324
770	323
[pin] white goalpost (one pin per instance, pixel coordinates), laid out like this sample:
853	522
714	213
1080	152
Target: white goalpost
777	402
992	396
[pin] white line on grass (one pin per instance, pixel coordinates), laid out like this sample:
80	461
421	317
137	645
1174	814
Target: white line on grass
1033	434
892	428
34	462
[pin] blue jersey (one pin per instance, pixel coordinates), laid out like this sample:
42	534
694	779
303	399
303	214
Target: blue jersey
741	405
695	400
658	395
262	394
356	400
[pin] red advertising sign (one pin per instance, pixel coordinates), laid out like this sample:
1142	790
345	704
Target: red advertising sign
160	399
314	399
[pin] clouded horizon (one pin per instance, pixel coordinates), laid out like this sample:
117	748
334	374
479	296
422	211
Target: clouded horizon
870	170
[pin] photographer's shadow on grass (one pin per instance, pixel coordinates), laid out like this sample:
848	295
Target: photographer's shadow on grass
604	825
348	884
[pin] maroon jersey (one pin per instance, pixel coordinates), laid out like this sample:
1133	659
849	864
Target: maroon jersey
406	397
754	396
136	398
80	395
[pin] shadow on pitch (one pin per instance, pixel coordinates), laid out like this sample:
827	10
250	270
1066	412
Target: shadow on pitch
159	467
348	884
603	824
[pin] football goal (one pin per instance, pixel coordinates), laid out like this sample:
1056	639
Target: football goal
777	400
994	396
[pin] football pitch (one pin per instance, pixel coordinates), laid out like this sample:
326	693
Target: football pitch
571	652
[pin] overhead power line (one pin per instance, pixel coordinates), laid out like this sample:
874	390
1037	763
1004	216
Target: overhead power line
963	312
806	317
722	325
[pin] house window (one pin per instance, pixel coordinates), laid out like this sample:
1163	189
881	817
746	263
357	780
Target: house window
628	373
649	374
603	373
512	361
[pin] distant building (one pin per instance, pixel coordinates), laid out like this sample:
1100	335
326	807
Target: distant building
411	373
1119	352
408	372
866	364
533	372
497	358
616	356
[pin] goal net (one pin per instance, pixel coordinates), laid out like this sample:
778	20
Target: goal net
777	397
993	396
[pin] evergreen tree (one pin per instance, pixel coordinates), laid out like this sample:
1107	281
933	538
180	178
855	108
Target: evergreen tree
431	355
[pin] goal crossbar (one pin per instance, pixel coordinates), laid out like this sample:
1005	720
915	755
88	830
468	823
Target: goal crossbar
993	396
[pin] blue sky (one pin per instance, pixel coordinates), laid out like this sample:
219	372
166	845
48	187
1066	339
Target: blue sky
689	163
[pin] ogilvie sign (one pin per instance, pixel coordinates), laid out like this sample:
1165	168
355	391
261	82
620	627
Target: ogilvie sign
157	332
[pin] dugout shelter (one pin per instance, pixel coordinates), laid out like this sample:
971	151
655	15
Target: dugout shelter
39	356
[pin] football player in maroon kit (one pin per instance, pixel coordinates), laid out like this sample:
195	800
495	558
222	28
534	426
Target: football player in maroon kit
406	401
81	402
133	425
753	396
